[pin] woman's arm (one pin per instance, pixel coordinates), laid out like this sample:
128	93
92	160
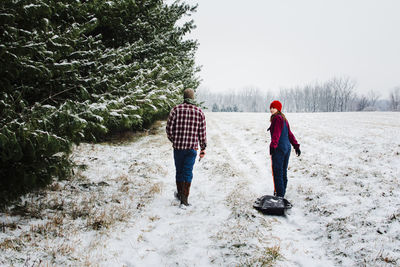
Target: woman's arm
292	139
276	130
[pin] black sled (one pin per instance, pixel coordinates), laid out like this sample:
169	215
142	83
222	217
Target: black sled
272	205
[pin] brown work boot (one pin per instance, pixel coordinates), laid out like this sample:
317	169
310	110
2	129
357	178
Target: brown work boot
185	194
179	188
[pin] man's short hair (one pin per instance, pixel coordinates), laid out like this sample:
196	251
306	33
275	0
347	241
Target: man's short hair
188	93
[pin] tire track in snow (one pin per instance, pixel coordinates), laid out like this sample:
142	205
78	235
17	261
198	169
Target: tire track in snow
221	228
168	235
247	144
240	240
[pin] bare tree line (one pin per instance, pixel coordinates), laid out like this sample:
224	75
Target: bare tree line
395	99
335	95
246	100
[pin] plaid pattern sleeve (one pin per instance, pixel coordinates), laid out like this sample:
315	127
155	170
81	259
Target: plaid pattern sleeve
186	127
170	125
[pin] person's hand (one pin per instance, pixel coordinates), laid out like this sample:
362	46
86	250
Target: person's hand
271	150
298	152
202	154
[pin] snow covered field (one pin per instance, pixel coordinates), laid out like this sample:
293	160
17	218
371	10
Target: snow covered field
120	210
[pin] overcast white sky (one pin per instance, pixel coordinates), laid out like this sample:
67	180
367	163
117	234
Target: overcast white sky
272	44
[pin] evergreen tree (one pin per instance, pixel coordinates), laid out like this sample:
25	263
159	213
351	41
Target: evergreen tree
75	71
215	108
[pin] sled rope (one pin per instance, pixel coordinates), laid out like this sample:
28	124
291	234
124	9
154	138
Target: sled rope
273	177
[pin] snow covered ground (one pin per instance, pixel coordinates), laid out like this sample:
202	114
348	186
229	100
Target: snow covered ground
120	210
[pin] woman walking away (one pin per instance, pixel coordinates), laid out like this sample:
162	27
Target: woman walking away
279	149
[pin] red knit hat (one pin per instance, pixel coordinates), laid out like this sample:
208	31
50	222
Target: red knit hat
276	104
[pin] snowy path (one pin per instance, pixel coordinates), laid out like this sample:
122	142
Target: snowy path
221	228
120	209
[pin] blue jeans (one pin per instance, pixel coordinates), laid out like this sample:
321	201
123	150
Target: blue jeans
184	161
280	161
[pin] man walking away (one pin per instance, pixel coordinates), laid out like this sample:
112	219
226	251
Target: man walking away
186	129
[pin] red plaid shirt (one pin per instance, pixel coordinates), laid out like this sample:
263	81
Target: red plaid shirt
186	127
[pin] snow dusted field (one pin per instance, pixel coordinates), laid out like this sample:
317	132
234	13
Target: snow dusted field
120	210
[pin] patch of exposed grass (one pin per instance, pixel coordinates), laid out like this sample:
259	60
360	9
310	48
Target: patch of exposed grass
126	137
56	186
154	218
267	257
100	220
10	226
108	216
155	189
384	257
50	222
246	246
12	244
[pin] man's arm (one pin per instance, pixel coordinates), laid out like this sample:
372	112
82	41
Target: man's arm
170	125
202	132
